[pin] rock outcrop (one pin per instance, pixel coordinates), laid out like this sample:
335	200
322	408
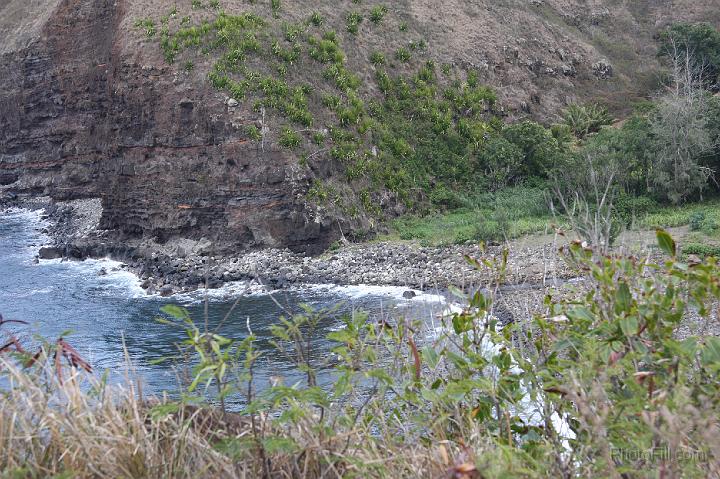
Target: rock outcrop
84	117
90	109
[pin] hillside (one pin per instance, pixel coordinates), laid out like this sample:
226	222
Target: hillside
92	108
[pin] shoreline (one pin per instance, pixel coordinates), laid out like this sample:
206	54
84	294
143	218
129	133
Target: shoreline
534	268
184	265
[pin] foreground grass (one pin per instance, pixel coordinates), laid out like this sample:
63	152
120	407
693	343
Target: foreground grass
597	385
51	428
80	428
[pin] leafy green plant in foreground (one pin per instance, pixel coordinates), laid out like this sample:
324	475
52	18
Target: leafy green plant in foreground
216	355
600	385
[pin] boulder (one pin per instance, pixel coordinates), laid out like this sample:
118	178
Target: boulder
50	252
569	70
7	178
603	70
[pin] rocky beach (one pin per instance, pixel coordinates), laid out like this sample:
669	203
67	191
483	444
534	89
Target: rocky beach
184	265
535	267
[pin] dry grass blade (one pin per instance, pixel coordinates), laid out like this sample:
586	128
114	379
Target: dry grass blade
14	343
54	427
72	356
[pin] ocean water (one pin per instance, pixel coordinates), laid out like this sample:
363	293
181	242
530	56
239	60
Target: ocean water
112	322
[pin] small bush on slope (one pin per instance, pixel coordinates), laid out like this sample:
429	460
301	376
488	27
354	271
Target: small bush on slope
420	132
586	119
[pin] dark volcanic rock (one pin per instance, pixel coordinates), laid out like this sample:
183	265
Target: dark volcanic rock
8	178
89	108
50	252
86	115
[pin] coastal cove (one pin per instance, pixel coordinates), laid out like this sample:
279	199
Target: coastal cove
100	305
359	240
182	265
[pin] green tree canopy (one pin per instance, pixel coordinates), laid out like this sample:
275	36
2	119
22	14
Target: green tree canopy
701	40
540	149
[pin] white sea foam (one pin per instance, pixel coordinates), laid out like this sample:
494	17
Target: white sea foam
121	282
364	290
11	211
34	220
32	292
354	291
117	282
227	292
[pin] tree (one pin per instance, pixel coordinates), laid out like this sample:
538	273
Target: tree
713	160
683	138
629	149
540	149
501	161
699	42
681	125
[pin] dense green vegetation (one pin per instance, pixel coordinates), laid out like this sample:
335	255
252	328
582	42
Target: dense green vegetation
656	165
703	43
609	382
434	137
426	138
493	216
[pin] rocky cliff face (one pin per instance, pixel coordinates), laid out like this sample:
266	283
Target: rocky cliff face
84	116
88	109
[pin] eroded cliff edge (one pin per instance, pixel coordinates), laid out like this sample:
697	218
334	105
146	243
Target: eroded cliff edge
91	110
86	114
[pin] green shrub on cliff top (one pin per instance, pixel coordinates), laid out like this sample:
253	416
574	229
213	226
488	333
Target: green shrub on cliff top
403	55
353	21
316	19
253	132
377	58
148	25
287	55
289	138
420	137
377	14
326	51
